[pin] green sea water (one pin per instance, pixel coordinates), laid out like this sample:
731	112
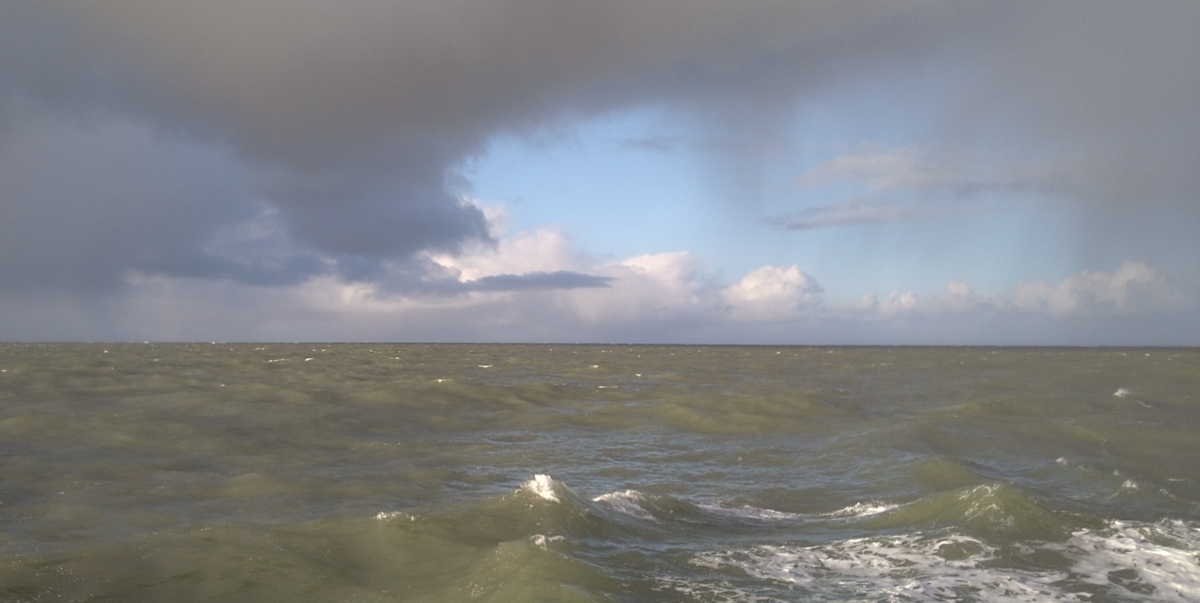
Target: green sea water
513	473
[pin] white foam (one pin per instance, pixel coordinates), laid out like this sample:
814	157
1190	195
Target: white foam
541	485
749	512
1162	557
1127	561
1121	392
627	502
541	540
390	515
862	510
904	567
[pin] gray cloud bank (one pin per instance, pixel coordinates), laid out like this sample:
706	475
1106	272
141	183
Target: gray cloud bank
134	132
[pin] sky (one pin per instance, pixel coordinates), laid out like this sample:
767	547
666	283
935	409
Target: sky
913	172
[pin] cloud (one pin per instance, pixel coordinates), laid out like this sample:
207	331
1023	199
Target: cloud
269	144
772	293
654	292
902	168
946	182
559	279
354	118
1133	288
963	172
653	144
857	212
84	202
663	297
543	250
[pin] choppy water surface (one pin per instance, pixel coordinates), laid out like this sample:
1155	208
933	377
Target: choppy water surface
597	473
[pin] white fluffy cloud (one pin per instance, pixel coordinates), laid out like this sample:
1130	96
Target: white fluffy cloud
772	293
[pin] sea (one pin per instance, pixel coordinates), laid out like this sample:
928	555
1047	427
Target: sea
597	473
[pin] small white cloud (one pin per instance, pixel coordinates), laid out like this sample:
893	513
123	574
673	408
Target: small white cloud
771	293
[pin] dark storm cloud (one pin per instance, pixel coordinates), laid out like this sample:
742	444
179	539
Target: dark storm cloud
351	117
85	201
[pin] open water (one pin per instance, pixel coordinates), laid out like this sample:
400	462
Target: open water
510	473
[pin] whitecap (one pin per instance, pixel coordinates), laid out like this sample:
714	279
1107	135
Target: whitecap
541	540
628	502
541	485
862	509
1121	392
389	515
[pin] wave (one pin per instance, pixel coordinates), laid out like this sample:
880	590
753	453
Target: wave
543	540
998	510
